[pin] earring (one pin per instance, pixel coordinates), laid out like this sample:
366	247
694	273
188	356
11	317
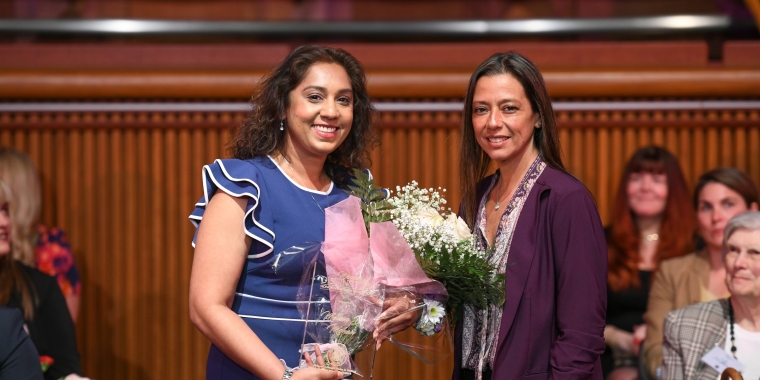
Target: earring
282	125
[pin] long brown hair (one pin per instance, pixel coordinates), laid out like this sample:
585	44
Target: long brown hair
260	134
473	161
13	280
676	228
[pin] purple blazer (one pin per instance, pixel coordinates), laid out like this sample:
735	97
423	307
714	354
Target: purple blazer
556	295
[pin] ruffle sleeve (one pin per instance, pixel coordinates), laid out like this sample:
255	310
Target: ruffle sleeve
239	179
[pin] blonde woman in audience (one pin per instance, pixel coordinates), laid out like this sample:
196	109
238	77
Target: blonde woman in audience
37	245
39	299
720	194
730	326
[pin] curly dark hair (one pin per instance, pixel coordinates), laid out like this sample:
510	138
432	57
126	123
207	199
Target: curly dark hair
260	134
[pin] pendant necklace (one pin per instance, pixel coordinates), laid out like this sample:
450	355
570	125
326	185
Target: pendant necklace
310	194
498	202
519	185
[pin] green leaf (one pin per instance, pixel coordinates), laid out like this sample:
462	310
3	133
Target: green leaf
375	206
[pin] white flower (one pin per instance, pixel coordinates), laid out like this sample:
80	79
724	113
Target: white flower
435	311
429	215
459	227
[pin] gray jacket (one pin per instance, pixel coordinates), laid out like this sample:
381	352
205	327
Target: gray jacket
689	334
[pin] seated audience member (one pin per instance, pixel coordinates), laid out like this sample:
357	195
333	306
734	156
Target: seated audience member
731	326
38	297
18	357
651	221
720	194
37	245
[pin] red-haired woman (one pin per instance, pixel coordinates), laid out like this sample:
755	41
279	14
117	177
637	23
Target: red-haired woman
652	220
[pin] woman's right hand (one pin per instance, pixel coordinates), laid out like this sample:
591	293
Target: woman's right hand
311	373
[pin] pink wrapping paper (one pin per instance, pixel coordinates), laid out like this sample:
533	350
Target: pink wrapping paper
385	256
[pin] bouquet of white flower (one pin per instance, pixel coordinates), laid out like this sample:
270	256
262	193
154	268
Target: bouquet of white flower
443	245
445	249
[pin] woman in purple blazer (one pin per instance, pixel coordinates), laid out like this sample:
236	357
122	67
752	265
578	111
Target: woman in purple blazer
540	227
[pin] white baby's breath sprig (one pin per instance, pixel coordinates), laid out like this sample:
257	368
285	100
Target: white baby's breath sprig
417	215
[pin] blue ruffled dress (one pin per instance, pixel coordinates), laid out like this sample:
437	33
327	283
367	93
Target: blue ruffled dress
280	214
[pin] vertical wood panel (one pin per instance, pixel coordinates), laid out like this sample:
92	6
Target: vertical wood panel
117	242
123	196
603	192
754	147
698	154
590	177
143	253
683	151
576	153
453	192
712	151
157	269
184	198
441	169
740	149
133	209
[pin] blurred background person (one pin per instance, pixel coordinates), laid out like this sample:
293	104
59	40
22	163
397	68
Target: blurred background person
731	324
720	194
36	244
38	297
651	221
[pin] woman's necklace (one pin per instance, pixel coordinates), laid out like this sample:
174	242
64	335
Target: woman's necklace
501	198
652	237
310	194
731	327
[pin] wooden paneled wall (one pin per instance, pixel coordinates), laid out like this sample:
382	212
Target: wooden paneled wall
121	184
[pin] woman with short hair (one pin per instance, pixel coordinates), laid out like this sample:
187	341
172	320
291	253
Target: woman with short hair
729	325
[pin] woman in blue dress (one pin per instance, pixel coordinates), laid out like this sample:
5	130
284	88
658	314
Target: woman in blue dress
310	124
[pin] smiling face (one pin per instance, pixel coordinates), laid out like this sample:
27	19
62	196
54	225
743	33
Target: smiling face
647	194
742	260
5	230
502	118
716	205
320	112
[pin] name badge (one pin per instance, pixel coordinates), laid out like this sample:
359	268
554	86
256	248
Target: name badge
719	359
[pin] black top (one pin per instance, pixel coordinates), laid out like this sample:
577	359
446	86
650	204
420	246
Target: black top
18	357
626	308
52	329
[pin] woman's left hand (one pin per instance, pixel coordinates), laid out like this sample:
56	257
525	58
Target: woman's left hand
400	311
